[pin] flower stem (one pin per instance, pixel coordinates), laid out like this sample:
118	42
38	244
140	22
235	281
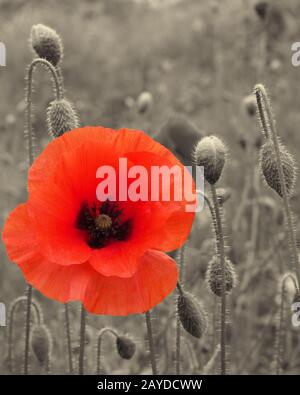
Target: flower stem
68	333
221	252
37	319
261	96
58	94
27	329
82	341
151	342
99	343
30	136
281	329
178	324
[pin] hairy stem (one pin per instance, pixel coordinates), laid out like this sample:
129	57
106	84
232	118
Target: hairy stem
99	344
30	137
281	329
221	253
261	93
82	340
37	319
27	329
68	334
58	94
151	342
178	324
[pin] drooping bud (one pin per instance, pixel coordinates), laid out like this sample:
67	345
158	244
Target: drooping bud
269	168
125	346
261	8
61	117
214	276
210	153
41	344
192	315
249	103
223	195
144	102
46	43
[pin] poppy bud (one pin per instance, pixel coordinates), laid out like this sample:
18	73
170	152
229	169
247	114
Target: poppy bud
214	276
61	117
192	315
223	195
269	168
261	9
210	153
41	344
126	347
46	43
144	102
249	103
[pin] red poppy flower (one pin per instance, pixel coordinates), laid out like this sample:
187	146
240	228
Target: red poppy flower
107	254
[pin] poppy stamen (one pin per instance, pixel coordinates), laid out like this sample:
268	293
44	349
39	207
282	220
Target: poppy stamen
103	224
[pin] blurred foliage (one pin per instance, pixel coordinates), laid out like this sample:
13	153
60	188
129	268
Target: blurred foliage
199	59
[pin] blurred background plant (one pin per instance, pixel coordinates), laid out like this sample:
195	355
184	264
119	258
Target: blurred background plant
179	70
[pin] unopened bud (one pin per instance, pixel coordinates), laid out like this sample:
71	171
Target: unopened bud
269	168
46	43
192	315
126	347
41	344
61	117
214	276
210	153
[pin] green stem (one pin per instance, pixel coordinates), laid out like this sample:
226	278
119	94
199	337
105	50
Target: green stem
151	342
261	93
82	340
221	253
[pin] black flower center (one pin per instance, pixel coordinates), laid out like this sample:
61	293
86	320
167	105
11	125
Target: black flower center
102	224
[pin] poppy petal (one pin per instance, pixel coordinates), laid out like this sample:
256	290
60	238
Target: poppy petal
18	236
62	283
155	279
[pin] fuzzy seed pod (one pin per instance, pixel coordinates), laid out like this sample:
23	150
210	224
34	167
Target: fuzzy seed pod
125	346
41	344
214	276
223	195
210	153
261	9
192	315
144	102
269	168
61	117
46	43
249	104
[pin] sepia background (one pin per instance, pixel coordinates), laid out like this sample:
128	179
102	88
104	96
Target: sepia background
197	61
